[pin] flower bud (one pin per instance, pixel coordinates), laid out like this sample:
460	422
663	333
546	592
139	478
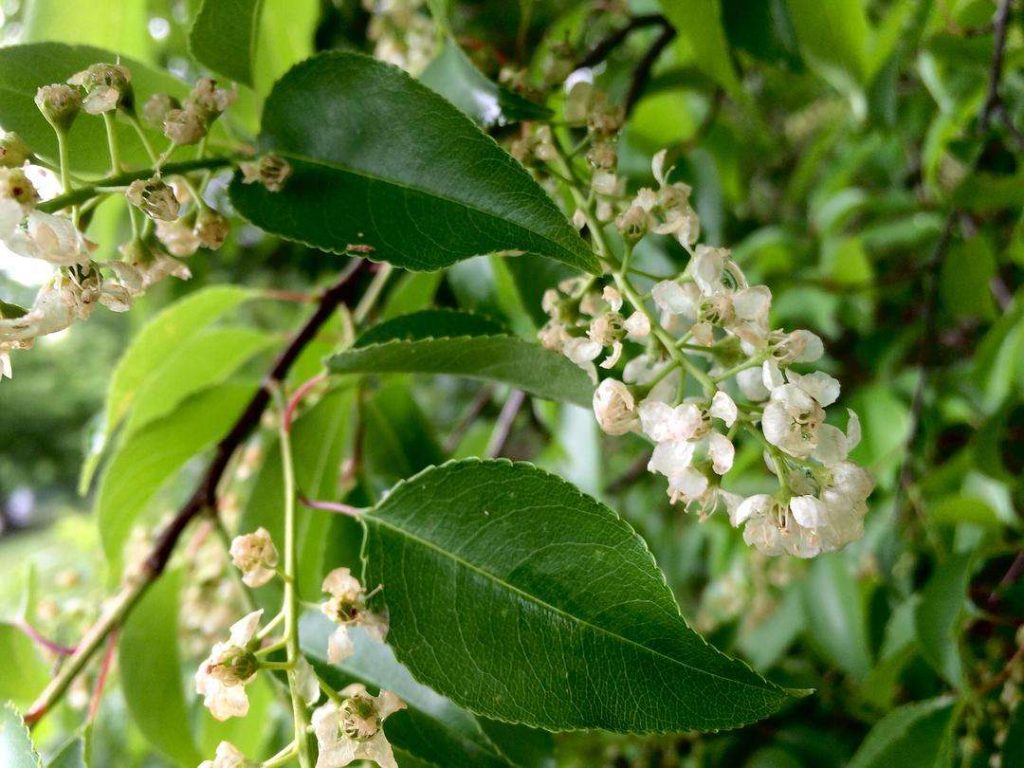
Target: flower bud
59	104
255	555
615	407
157	108
13	151
632	223
209	100
154	198
106	86
212	229
15	185
270	170
185	126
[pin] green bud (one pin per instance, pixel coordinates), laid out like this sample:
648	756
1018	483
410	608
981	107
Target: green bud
59	104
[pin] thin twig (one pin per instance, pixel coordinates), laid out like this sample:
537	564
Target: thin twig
296	399
203	499
642	73
101	679
466	420
1012	574
503	427
601	51
40	639
992	98
330	506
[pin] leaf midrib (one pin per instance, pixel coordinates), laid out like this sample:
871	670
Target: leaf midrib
559	611
335	165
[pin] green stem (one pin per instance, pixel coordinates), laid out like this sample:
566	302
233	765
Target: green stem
737	368
373	292
134	120
80	195
300	716
65	171
281	758
115	154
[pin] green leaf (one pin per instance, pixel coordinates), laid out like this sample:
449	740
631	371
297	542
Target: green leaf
699	24
403	441
834	38
224	35
966	278
379	159
148	458
1013	747
836	619
912	736
320	439
160	338
25	673
428	324
518	597
196	363
24	68
150	667
943	603
456	78
117	25
71	755
407	345
15	744
432	729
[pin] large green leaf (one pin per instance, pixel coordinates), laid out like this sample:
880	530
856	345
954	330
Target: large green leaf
160	339
381	160
117	25
699	24
432	729
518	597
15	744
24	68
452	343
150	667
913	736
148	458
835	38
71	755
224	36
25	674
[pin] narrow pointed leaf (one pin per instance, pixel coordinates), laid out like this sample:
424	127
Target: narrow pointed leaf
381	160
522	599
461	344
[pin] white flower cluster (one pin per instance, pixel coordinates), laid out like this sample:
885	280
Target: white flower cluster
708	365
79	282
353	730
403	34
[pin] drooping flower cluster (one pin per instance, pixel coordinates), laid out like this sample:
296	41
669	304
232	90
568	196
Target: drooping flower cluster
700	363
353	730
347	608
178	221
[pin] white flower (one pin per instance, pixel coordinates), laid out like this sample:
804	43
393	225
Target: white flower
306	681
613	297
177	237
818	385
354	730
677	299
661	422
689	485
615	407
222	677
347	607
637	325
751	384
797	347
255	555
672	458
227	756
723	407
707	267
791	420
834	446
56	306
6	371
721	452
51	238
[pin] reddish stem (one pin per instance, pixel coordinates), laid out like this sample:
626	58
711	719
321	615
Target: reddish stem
331	506
101	679
293	404
40	639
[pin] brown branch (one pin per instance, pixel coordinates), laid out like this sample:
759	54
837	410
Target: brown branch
603	49
503	427
993	101
203	499
642	73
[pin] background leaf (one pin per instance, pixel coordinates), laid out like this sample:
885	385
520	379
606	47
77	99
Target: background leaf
834	609
117	25
524	600
224	36
938	615
151	673
912	736
25	673
509	359
379	159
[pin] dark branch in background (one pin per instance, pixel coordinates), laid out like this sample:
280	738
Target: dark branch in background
203	499
603	49
990	108
503	426
642	73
